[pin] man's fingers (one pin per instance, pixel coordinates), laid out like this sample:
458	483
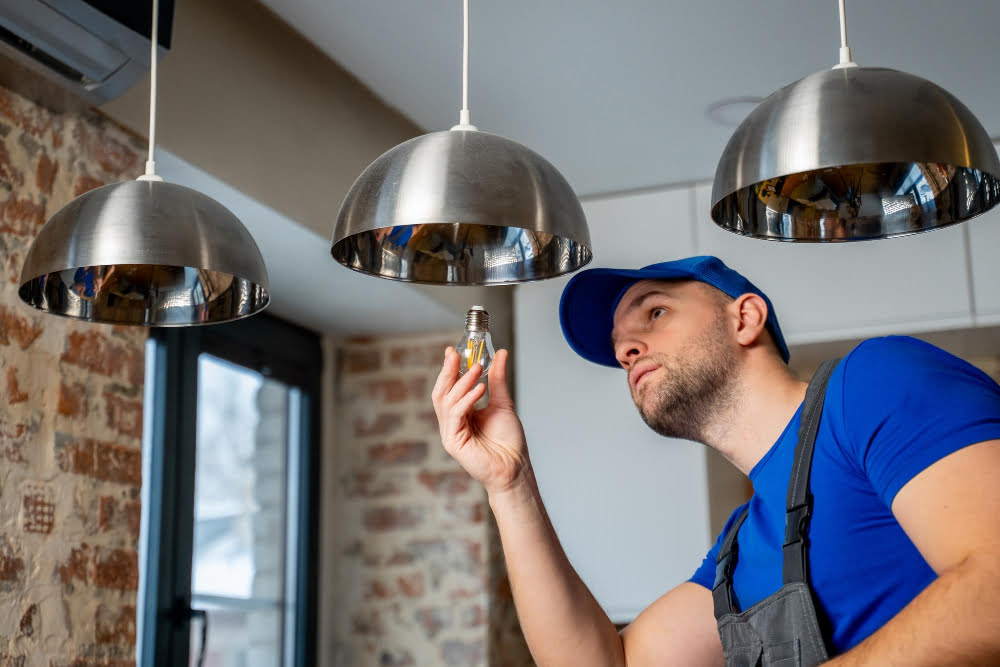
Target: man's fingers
463	406
499	391
464	384
446	378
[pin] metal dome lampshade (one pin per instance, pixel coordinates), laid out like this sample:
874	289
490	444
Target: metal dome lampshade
855	153
461	207
145	252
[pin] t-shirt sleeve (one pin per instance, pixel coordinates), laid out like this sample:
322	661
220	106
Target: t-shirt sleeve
705	574
908	404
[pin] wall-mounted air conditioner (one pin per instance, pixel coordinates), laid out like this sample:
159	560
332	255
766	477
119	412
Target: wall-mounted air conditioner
94	49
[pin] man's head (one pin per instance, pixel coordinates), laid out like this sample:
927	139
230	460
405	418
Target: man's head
680	329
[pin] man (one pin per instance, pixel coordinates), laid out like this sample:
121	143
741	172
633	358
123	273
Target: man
903	526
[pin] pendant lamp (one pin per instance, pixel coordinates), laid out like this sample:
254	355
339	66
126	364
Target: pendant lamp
855	153
145	252
461	207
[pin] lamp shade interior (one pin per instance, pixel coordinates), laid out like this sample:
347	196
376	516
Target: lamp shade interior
858	201
468	254
151	295
147	253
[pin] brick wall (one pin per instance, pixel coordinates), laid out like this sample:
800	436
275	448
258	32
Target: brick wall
411	577
70	417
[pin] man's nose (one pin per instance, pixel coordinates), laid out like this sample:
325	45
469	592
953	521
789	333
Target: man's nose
628	350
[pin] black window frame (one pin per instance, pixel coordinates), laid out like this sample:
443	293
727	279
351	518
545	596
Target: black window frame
277	349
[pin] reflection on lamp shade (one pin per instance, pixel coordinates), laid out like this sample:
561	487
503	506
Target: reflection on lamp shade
145	252
855	153
461	207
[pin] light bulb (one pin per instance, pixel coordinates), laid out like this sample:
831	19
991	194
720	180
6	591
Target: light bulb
476	346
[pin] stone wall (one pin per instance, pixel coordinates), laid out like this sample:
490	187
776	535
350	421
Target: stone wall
70	417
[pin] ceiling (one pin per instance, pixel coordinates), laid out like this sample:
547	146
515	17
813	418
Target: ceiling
615	93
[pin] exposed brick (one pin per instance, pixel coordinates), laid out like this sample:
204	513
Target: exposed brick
429	419
38	508
412	451
14	393
396	390
106	151
29	621
458	653
45	173
417	356
21	217
384	424
473	617
465	512
392	518
77	567
395	658
72	399
114	514
85	183
99	459
448	482
377	590
360	361
11	563
433	619
412	585
13	441
27	117
124	415
367	484
96	352
111	627
9	174
117	569
16	329
367	622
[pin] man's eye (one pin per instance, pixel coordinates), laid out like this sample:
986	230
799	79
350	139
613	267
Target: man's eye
656	312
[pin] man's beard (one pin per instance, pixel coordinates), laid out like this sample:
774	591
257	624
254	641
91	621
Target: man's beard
697	387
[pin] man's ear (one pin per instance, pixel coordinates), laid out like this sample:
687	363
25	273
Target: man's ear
751	311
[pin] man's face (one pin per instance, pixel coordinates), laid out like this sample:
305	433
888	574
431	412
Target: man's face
674	341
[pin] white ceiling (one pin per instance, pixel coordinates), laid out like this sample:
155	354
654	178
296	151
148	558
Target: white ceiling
615	93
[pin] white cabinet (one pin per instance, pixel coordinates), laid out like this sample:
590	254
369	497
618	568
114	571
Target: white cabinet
984	245
629	506
850	290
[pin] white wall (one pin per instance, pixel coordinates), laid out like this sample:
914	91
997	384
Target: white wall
630	507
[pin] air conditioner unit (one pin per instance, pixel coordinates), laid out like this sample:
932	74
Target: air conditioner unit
93	49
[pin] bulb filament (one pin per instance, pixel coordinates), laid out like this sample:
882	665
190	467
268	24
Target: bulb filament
475	351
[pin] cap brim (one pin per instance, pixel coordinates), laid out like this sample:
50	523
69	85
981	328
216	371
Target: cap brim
587	308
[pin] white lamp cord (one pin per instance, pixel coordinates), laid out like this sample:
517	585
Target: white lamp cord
464	121
150	174
845	51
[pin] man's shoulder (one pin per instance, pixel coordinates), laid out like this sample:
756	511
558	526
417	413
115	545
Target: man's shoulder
878	360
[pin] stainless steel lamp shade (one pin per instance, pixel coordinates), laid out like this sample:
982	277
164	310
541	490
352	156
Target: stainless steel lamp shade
855	153
461	207
148	253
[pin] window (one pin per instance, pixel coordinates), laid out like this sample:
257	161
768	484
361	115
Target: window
229	532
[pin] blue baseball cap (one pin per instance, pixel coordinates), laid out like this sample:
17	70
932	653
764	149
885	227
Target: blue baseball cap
587	307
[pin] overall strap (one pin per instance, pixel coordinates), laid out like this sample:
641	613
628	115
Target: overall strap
799	504
722	590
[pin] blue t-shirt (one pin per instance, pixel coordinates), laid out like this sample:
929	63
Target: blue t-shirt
893	407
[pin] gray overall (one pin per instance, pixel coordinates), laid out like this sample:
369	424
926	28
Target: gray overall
783	628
